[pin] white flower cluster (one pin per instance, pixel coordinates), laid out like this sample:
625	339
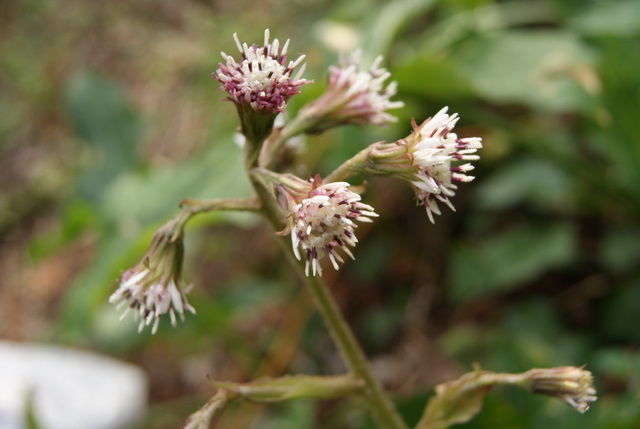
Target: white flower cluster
361	94
153	287
433	151
324	222
262	79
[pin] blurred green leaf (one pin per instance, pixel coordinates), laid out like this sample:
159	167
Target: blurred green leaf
526	66
104	118
527	181
618	362
621	92
379	326
620	310
433	78
611	18
387	22
510	258
77	216
288	415
503	408
534	331
529	334
145	197
620	249
88	290
135	203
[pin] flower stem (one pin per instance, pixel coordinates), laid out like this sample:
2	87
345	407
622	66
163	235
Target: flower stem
174	227
355	164
279	137
202	418
379	404
194	207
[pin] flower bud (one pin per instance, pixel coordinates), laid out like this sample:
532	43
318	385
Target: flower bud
322	219
574	385
260	83
153	287
353	96
425	159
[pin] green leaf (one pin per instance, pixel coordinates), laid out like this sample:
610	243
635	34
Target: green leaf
143	198
620	249
527	181
104	118
525	66
616	362
506	260
134	204
620	309
613	18
289	415
619	75
90	288
387	23
433	78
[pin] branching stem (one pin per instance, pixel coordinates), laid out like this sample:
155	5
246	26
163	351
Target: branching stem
380	406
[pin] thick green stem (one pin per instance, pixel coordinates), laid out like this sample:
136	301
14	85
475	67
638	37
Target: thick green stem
379	404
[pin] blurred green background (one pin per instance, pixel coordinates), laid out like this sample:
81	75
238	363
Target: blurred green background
109	117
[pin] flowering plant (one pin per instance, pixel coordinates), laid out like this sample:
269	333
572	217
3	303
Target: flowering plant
321	216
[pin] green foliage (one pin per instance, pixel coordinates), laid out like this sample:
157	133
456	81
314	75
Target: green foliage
103	118
531	67
539	266
481	268
124	199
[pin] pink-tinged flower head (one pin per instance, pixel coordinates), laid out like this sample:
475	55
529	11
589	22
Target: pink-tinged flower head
153	287
434	150
354	96
427	159
262	79
323	221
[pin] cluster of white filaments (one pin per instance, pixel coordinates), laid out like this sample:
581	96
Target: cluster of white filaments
433	150
262	79
324	222
149	296
360	95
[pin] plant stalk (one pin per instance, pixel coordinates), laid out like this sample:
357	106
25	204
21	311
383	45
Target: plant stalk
379	404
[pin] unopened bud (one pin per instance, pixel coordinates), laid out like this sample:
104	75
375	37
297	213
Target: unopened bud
574	385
